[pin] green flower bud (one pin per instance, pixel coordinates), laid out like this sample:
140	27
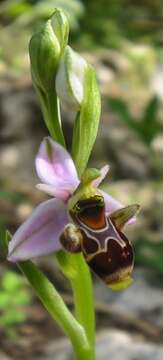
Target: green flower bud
45	49
70	79
60	25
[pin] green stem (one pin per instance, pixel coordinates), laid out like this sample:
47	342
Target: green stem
76	270
83	287
51	111
81	278
58	310
84	299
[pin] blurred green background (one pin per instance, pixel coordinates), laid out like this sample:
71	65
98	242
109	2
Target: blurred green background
123	39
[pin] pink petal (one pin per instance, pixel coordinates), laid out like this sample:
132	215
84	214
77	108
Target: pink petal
104	170
51	190
55	166
39	235
112	205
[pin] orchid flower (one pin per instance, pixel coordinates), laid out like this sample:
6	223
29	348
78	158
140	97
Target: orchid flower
41	232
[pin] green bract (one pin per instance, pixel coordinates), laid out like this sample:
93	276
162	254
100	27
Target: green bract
60	26
77	88
87	121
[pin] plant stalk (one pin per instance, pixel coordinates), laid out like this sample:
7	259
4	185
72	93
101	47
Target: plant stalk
73	266
76	270
51	112
56	307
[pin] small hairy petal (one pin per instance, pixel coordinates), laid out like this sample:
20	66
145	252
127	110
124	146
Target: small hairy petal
112	205
55	166
39	235
104	170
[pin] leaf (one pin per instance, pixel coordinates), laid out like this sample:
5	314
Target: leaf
150	113
23	298
149	254
5	300
16	198
150	123
87	122
3	242
119	107
12	317
11	281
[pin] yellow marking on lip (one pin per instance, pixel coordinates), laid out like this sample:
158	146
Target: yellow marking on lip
121	284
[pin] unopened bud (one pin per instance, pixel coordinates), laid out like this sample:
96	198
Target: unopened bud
70	79
45	49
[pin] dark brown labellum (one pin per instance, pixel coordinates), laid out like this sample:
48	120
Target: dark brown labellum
106	249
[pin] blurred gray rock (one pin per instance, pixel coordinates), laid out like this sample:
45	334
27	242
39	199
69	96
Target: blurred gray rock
143	299
21	131
3	356
113	344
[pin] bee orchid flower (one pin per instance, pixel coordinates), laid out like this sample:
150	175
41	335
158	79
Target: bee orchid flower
76	206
